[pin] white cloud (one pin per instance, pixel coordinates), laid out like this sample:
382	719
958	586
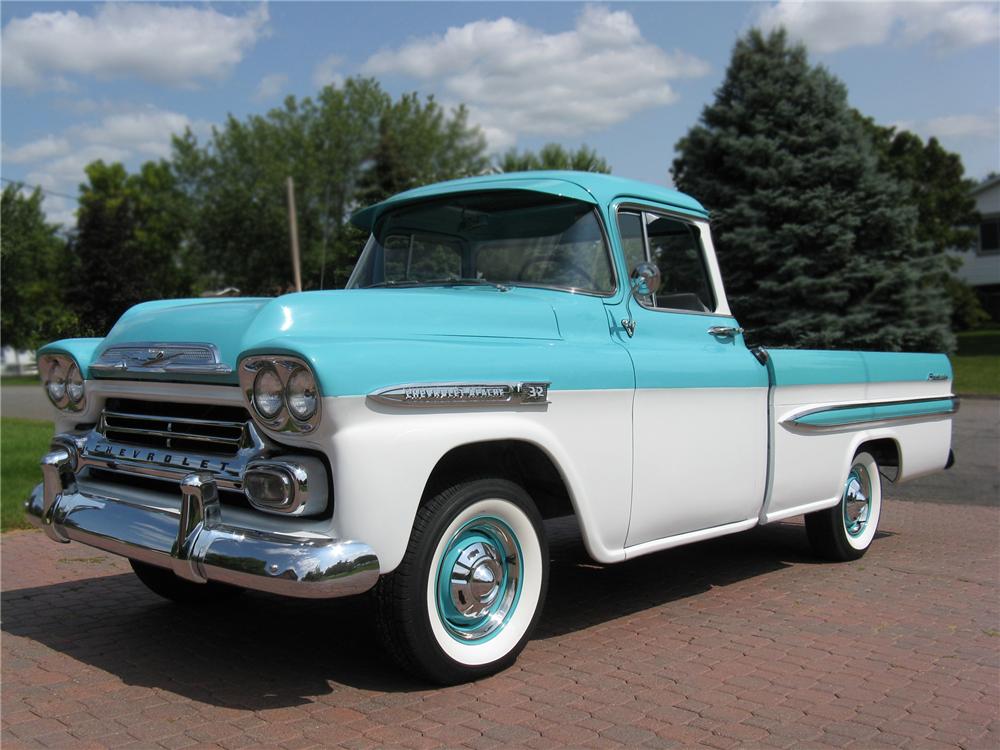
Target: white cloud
175	45
270	86
44	148
964	126
65	173
127	134
326	72
955	127
146	131
517	79
832	26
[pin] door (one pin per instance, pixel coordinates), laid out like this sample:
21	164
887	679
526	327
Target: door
700	406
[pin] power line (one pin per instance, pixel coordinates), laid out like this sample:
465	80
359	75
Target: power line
45	191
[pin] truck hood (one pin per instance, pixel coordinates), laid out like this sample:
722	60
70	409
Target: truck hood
237	326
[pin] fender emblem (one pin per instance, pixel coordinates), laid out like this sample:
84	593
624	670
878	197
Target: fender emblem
459	394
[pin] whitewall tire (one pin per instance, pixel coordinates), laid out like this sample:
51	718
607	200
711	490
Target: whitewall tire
464	600
845	531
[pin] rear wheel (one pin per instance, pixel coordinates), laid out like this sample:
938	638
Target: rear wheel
464	600
163	582
845	531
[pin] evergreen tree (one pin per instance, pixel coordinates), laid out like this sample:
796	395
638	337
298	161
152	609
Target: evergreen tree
818	245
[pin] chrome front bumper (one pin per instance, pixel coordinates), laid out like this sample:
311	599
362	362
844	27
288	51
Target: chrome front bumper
194	542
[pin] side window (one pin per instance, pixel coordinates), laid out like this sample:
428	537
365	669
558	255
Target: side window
989	235
675	247
633	243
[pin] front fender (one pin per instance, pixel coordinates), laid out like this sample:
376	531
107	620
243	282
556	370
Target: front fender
82	350
382	457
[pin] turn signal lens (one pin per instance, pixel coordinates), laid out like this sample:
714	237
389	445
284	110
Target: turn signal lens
268	488
300	395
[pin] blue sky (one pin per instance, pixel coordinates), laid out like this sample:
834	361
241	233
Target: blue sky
84	81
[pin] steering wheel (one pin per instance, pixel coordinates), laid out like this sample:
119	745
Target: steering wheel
572	267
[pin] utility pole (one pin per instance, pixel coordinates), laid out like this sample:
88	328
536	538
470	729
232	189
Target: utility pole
293	232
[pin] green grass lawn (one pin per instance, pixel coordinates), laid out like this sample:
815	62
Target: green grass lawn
19	380
977	364
22	444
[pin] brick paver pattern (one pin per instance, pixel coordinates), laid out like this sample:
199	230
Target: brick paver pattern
740	642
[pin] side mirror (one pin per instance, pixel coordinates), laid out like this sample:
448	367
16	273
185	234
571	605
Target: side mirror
645	279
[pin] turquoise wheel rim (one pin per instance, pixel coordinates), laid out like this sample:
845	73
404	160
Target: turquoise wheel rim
857	501
479	579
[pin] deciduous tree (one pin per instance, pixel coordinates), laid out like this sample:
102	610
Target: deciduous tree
349	146
129	246
35	269
946	211
553	156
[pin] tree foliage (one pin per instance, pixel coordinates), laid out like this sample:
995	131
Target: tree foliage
553	156
946	211
35	269
129	246
346	147
819	245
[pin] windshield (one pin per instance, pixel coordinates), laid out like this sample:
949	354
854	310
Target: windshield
504	238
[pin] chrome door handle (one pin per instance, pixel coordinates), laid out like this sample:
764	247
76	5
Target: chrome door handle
724	331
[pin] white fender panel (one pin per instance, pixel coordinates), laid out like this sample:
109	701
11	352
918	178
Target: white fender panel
381	458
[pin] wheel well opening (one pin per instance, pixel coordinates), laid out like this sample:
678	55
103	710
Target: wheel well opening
516	460
886	453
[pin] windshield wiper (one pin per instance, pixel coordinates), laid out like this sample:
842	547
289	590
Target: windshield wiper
442	282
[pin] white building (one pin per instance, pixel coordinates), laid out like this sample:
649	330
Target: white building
17	363
981	265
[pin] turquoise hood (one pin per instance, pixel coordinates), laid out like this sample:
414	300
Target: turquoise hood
311	324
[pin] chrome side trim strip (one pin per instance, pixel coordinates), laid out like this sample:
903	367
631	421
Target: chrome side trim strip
795	421
462	394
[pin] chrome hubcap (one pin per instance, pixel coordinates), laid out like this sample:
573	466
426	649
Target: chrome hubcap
476	578
479	579
857	501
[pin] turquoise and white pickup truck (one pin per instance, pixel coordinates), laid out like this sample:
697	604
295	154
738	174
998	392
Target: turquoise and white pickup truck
509	349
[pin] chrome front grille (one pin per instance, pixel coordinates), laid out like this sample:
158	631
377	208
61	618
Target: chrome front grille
192	428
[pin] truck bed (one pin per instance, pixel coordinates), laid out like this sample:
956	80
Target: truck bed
824	405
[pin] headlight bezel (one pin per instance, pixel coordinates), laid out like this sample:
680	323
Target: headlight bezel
284	366
62	366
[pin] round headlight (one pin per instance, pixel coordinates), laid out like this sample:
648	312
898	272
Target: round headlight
268	397
74	384
301	394
55	383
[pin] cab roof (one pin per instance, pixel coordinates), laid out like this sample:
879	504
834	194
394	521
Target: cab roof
589	187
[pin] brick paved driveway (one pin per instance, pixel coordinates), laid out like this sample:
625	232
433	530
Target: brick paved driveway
744	641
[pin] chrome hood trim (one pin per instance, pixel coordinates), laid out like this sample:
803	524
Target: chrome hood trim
166	357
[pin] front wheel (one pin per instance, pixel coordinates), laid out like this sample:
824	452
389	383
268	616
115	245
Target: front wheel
464	600
845	531
164	583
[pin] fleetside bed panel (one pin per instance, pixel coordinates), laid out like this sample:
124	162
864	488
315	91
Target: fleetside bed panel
810	454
